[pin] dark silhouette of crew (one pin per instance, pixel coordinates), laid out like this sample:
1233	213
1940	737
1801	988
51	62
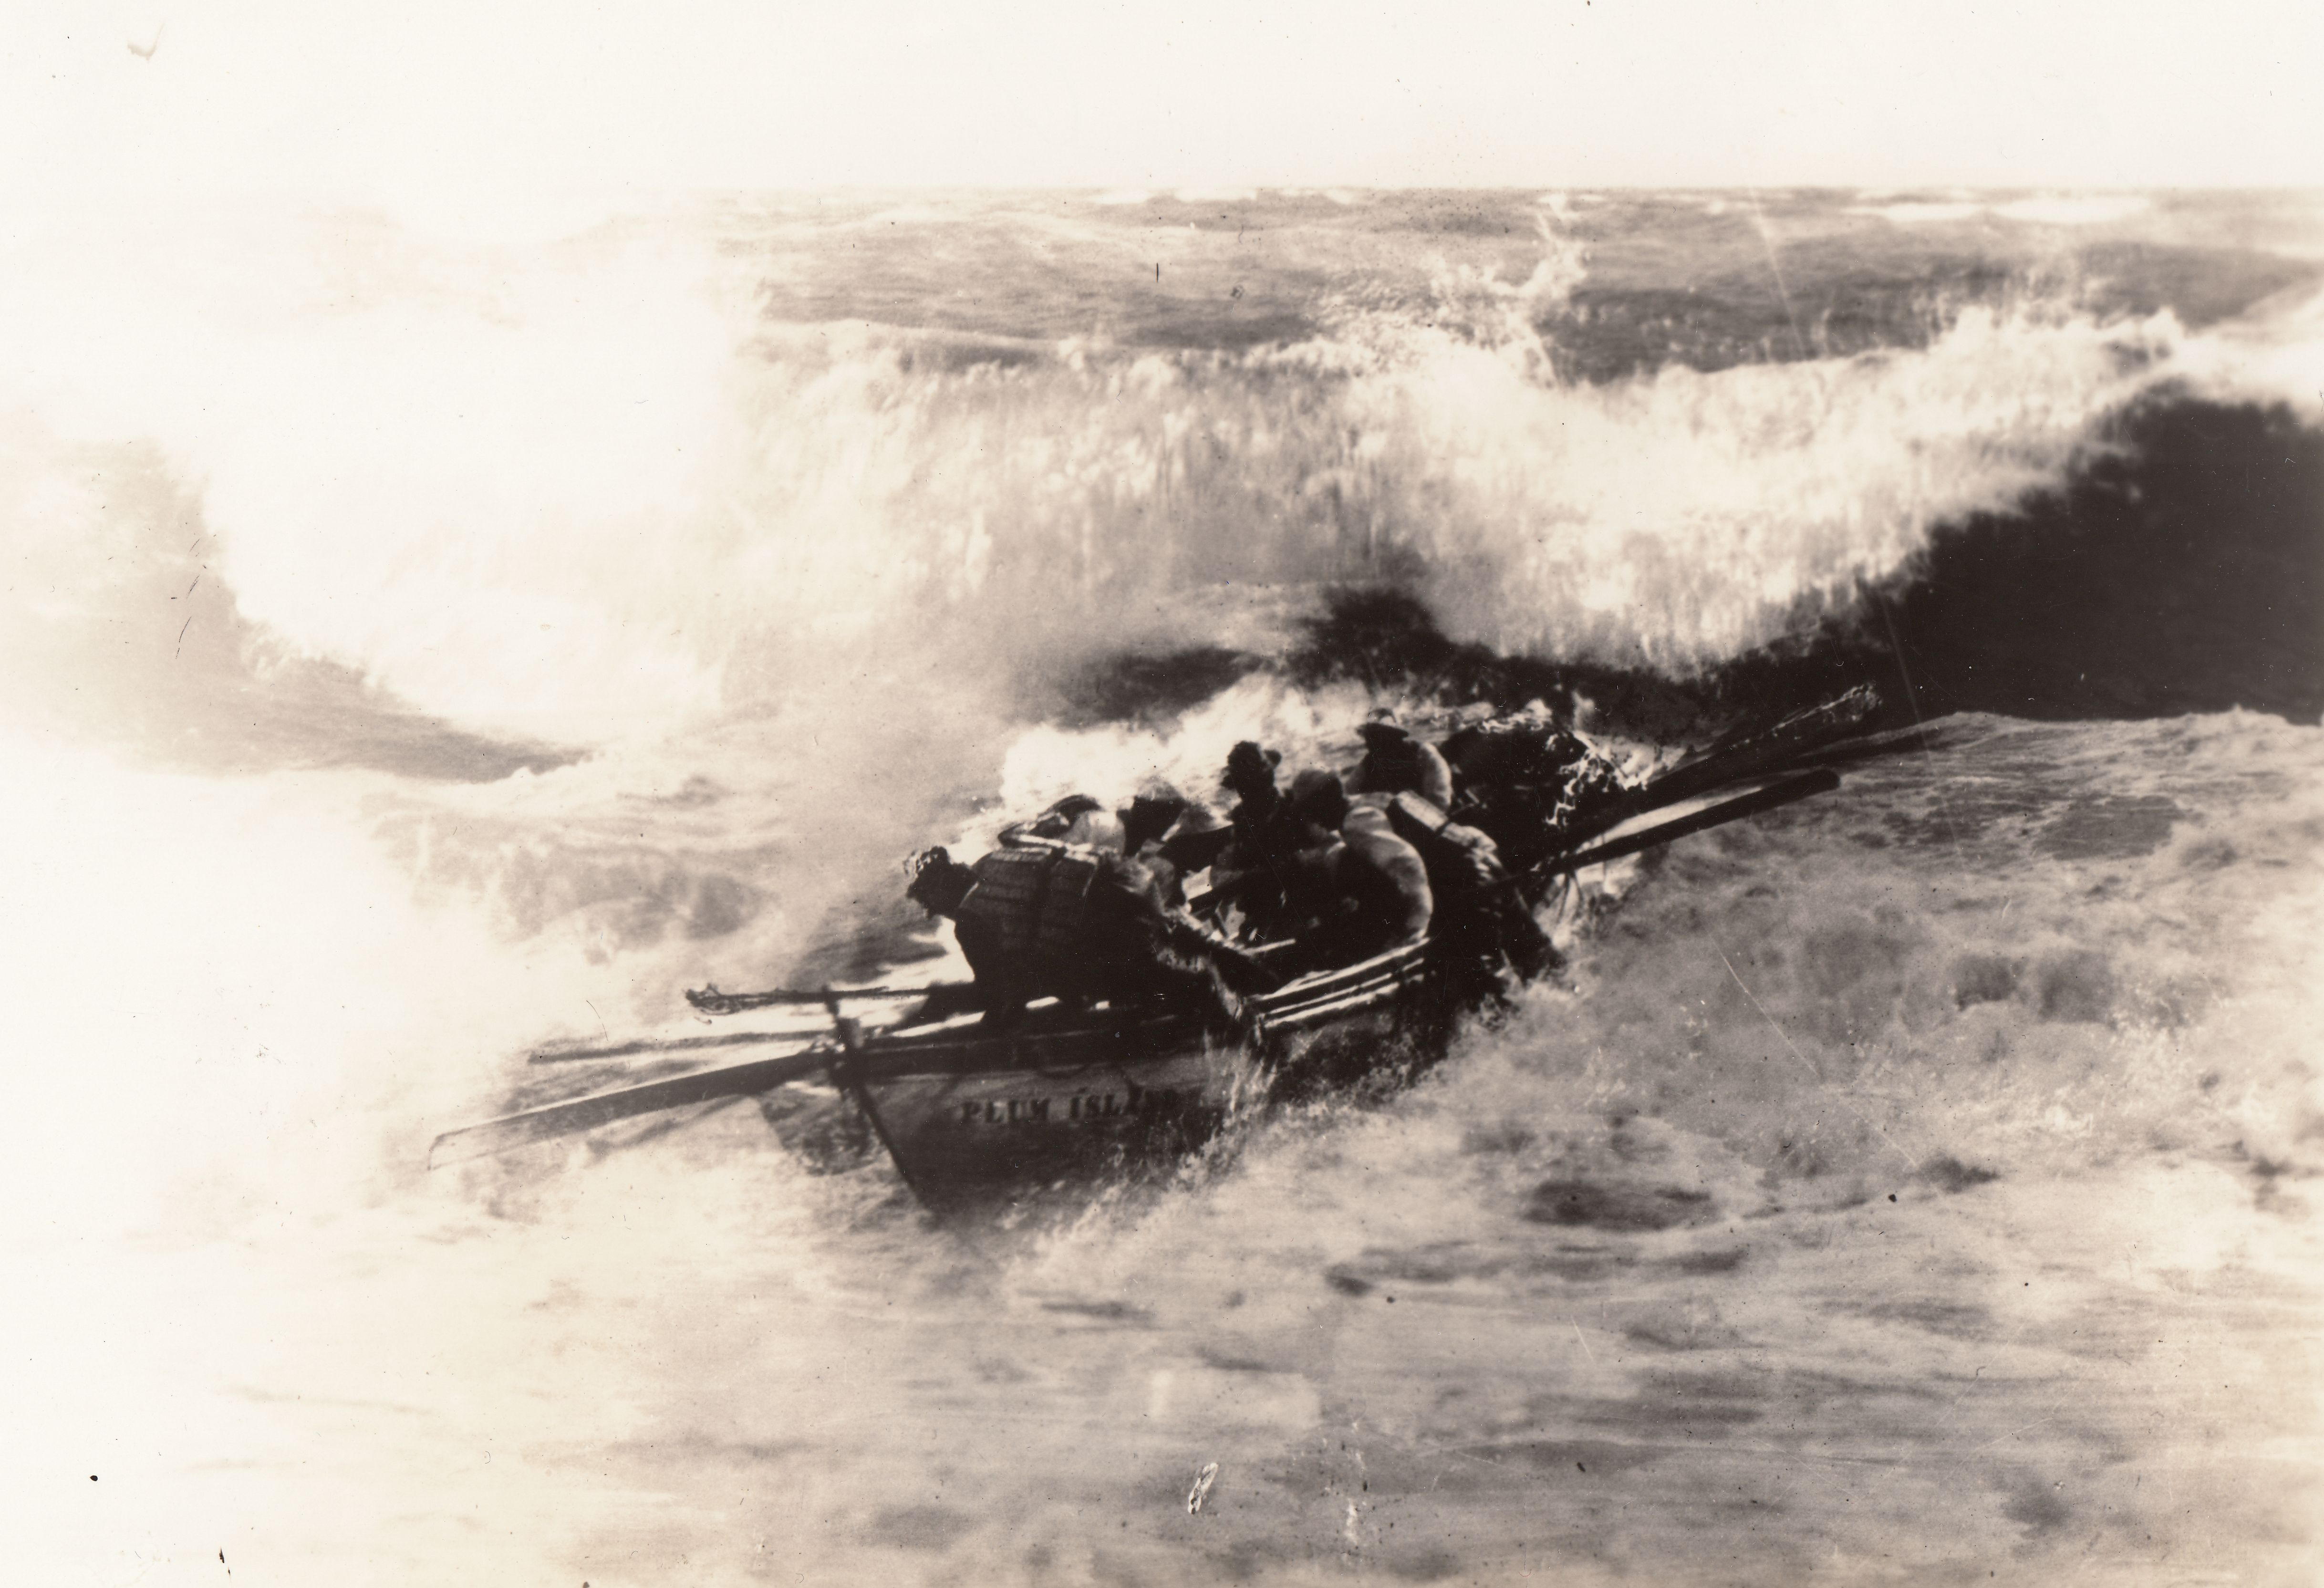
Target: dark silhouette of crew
1396	762
1361	889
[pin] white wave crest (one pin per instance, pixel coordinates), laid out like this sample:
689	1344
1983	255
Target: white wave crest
596	497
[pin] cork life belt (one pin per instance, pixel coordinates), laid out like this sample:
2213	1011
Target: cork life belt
1037	901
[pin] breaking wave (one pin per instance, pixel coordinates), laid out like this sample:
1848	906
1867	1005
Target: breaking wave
812	579
608	501
799	589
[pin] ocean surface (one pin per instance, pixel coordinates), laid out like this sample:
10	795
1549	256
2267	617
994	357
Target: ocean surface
417	650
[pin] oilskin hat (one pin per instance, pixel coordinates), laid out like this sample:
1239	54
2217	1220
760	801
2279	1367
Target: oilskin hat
1319	796
938	882
1197	838
1149	814
1382	724
1197	826
1247	762
1196	821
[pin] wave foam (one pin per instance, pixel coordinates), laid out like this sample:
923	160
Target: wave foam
599	498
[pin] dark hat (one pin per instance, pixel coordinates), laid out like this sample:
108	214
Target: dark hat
939	882
1317	795
1149	815
1153	794
1197	836
1196	821
1147	806
1382	724
1247	763
1074	804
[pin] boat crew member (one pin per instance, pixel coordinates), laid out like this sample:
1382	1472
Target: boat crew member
1395	762
1077	818
1148	817
1481	931
1378	895
1194	841
1250	777
1172	838
1253	871
1072	924
1524	780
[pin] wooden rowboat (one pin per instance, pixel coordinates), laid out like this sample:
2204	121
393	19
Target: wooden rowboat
1065	1091
1072	1092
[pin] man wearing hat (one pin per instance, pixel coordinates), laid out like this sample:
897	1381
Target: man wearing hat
1251	873
1149	815
1250	777
1077	924
1078	818
1194	840
1396	762
1375	884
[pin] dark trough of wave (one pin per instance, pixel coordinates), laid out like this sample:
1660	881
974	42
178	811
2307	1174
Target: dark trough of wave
2180	571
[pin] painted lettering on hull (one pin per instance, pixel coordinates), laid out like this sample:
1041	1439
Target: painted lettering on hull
1074	1108
1005	1110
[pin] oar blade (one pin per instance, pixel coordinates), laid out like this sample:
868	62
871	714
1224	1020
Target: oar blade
586	1114
577	1049
1651	835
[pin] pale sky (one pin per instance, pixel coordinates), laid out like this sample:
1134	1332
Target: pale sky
440	107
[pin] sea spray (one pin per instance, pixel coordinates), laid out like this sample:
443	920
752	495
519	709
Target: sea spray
604	499
216	977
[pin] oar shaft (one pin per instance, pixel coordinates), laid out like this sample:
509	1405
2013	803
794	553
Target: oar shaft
711	1001
586	1114
1752	804
575	1050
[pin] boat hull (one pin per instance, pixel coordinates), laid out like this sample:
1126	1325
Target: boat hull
1072	1094
1040	1108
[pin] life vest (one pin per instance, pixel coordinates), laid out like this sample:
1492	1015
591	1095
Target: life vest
1040	903
1459	858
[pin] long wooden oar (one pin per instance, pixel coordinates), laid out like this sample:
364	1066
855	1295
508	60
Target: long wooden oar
586	1113
711	1001
577	1049
1815	736
1760	752
1770	797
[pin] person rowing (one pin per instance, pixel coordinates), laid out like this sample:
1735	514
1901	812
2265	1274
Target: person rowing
1079	819
1482	931
1194	842
1395	762
1046	921
1254	872
1366	889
